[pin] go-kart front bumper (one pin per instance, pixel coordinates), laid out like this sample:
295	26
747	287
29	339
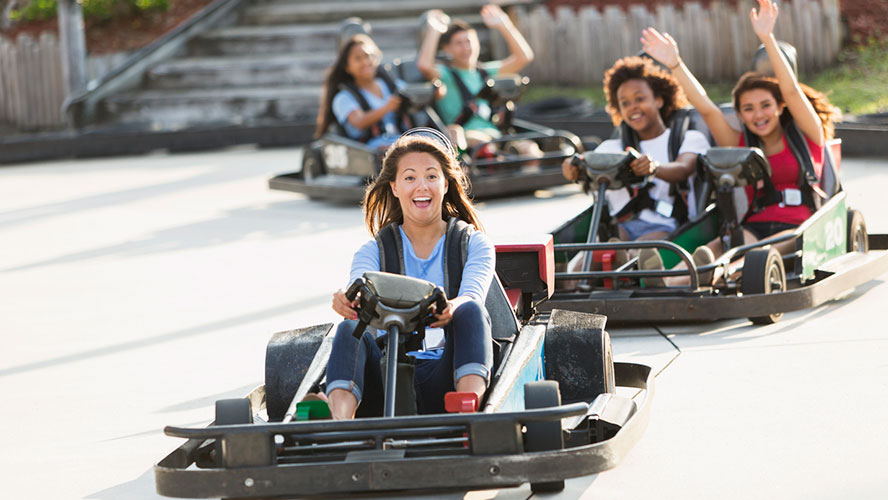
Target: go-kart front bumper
492	457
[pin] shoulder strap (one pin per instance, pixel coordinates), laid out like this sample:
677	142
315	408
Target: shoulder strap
391	249
365	107
403	121
808	181
769	193
679	122
468	99
456	251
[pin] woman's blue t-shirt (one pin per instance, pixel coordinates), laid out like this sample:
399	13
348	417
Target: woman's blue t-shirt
344	103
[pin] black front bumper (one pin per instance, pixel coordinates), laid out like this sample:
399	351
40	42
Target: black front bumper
499	462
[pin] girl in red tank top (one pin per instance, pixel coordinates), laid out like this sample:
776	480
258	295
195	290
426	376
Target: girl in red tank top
765	106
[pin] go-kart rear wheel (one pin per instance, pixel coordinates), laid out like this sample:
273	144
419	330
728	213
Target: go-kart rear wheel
543	436
858	240
763	273
579	355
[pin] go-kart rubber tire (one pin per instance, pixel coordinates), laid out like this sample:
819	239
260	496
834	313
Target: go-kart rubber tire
858	239
543	436
579	355
233	412
287	358
763	272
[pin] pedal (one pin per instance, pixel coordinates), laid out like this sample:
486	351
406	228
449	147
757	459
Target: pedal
312	410
461	402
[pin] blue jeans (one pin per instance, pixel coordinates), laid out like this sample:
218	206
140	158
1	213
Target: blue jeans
468	350
636	228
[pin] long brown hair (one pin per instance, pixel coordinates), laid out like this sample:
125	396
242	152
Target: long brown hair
336	76
662	83
828	113
381	207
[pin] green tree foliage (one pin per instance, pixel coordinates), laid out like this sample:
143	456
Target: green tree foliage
97	10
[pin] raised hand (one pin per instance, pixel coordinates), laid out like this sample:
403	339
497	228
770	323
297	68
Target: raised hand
493	16
437	20
660	46
764	20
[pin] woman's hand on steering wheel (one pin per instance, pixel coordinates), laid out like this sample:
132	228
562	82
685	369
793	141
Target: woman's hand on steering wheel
446	316
343	306
660	46
764	20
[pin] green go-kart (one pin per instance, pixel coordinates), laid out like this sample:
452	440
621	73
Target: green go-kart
833	253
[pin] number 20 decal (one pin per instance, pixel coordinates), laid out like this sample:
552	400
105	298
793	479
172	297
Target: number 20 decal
835	234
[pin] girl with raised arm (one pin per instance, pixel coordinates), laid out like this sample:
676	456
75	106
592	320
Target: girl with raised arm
769	109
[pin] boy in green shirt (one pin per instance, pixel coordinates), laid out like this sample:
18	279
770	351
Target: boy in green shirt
469	122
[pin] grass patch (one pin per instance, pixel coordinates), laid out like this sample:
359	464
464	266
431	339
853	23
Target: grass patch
856	84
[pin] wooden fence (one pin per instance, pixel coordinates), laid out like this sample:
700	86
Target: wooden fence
717	42
32	89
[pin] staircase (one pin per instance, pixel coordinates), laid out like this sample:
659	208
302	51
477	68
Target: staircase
268	67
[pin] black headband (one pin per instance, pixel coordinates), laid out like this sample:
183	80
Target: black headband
434	135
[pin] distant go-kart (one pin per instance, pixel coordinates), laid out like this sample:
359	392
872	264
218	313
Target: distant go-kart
833	251
552	411
338	168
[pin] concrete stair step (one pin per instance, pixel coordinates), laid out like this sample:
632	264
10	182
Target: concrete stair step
296	38
305	38
337	10
169	109
243	71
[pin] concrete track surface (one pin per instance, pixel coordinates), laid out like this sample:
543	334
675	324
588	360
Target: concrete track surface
134	292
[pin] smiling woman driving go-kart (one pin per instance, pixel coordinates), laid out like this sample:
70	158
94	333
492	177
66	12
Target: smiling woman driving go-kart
641	99
418	201
788	121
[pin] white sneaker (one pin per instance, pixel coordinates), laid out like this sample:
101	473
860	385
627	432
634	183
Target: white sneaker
649	260
703	256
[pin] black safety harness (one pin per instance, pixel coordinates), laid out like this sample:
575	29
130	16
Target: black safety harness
808	181
403	120
456	251
641	198
470	105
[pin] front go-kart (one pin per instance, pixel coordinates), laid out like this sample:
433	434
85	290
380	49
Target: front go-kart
545	417
833	253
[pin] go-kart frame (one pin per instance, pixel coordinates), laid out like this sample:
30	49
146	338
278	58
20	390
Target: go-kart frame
833	255
337	168
513	439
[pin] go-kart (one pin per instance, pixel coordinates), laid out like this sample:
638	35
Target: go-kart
338	168
833	251
552	410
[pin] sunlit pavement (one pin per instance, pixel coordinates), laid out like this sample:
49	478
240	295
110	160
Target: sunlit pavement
134	292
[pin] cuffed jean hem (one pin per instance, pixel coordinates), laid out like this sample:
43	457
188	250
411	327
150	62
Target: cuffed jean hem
471	369
348	385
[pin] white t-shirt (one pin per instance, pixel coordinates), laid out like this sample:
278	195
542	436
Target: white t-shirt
658	148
